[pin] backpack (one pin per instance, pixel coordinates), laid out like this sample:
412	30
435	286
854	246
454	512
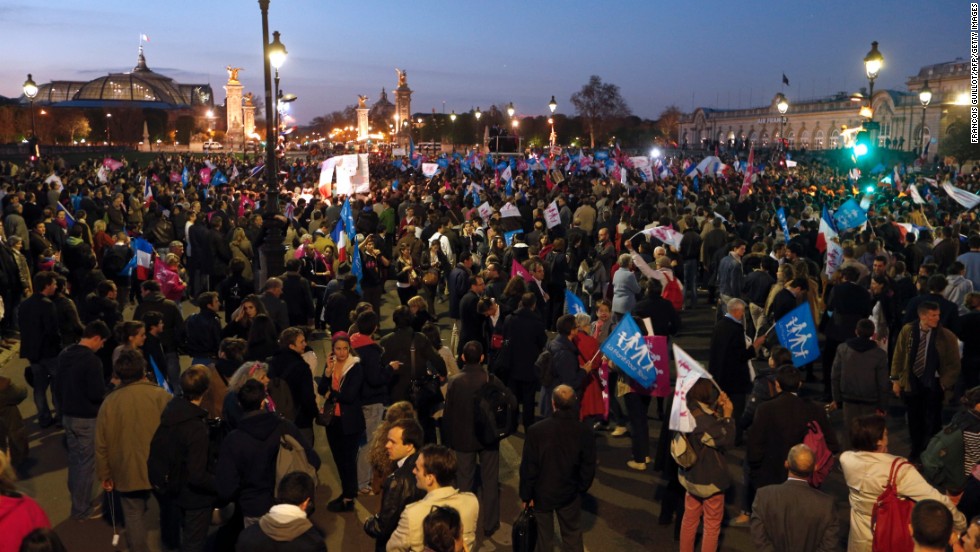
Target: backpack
823	458
942	461
494	411
113	262
291	458
165	465
890	517
282	397
672	292
681	450
543	365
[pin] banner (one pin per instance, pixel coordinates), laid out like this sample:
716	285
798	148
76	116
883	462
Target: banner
665	234
430	169
689	371
517	269
627	349
835	257
661	361
509	210
346	167
850	215
573	304
963	197
914	192
552	216
798	333
486	211
326	176
781	215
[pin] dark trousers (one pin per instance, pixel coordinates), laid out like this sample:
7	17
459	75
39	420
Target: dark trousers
924	410
616	415
344	450
828	355
488	490
372	294
569	523
44	373
525	391
637	406
404	294
194	525
690	283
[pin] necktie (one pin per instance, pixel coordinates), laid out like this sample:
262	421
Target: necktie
919	366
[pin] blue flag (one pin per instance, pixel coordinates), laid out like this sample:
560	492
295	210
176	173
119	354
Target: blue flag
680	192
184	177
626	348
797	332
781	215
158	375
68	218
849	215
601	155
509	236
394	185
573	303
696	184
218	178
348	217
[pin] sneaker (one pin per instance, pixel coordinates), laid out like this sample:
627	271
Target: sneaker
638	466
340	504
619	431
366	491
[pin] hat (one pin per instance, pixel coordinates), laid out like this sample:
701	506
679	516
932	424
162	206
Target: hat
340	336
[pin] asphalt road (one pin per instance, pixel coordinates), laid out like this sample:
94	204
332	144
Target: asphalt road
620	511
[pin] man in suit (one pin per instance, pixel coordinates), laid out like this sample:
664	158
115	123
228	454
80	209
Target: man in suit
793	515
557	466
459	434
404	440
729	355
435	473
779	424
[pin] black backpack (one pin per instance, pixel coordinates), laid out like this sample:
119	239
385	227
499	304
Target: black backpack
494	411
165	465
546	374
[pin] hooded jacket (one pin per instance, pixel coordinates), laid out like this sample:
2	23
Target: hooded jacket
188	422
284	528
293	369
173	321
246	470
377	374
19	515
860	373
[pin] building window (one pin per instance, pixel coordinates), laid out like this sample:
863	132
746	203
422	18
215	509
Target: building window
818	140
805	138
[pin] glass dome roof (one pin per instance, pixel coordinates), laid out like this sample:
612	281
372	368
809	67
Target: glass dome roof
140	85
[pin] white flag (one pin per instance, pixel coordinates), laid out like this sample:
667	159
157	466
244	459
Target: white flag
486	211
681	418
835	256
430	169
686	364
552	217
509	210
914	192
961	196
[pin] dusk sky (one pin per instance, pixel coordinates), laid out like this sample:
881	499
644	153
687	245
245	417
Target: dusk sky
468	54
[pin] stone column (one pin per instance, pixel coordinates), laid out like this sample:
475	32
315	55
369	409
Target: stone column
403	107
233	112
362	124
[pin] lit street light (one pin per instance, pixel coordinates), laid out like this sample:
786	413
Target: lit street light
30	90
108	133
925	96
510	109
872	65
782	105
552	105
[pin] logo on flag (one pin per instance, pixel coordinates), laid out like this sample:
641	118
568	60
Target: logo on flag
689	371
797	332
509	236
574	304
552	216
781	215
850	215
627	349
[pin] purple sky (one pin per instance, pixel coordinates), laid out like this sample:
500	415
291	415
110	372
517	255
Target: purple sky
468	54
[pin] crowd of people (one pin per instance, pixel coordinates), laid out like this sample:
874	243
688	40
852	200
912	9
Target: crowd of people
102	324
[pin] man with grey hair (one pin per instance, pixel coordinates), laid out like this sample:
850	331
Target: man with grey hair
558	465
274	305
794	515
730	354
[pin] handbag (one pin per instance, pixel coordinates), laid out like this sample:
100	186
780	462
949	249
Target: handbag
496	341
326	413
890	517
524	534
431	277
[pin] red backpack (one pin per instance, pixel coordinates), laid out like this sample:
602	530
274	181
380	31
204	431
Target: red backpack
672	292
823	458
891	516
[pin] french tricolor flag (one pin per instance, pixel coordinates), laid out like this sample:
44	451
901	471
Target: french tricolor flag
826	231
147	193
339	236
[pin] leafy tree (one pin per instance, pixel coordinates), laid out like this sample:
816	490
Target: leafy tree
668	124
957	142
73	125
597	103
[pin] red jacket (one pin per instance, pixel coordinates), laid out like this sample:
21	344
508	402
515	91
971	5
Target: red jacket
19	515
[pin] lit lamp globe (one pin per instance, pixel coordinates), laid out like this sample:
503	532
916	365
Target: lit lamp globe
552	105
925	95
510	109
478	114
782	104
452	116
277	52
30	87
873	61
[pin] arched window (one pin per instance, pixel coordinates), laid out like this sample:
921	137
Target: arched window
805	139
835	139
818	140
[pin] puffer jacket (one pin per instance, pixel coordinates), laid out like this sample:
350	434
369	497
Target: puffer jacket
711	437
860	373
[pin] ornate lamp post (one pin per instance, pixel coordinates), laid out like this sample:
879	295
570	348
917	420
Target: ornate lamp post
478	114
782	105
30	91
108	131
552	105
277	57
452	118
925	96
272	250
872	65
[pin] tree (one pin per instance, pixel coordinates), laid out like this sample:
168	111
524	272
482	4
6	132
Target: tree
73	125
957	144
598	102
669	122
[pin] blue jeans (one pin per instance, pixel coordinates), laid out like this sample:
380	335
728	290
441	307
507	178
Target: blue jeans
80	434
690	282
373	413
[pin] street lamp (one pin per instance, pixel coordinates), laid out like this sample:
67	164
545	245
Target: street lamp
552	105
510	109
277	57
452	118
925	96
782	105
30	90
872	65
108	133
272	256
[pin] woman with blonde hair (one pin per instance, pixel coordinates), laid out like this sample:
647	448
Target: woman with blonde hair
421	316
241	248
381	465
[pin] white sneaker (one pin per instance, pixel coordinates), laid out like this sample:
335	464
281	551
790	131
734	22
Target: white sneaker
638	466
619	431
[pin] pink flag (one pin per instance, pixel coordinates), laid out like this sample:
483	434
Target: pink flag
205	174
517	270
174	176
111	164
747	182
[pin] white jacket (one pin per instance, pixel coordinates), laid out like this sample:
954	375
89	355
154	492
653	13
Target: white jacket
866	474
408	535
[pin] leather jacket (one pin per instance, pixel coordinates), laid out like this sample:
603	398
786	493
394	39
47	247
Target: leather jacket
399	490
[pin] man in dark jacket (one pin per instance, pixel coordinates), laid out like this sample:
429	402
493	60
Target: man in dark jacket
458	284
289	366
203	330
847	304
558	465
729	355
339	304
186	422
565	369
459	434
470	319
80	388
400	488
949	314
418	358
860	376
779	424
374	390
173	326
246	470
297	295
41	341
525	334
660	311
285	528
200	254
276	307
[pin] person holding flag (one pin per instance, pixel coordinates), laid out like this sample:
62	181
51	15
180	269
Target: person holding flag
731	351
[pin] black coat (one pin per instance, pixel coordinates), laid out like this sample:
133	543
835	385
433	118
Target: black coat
399	490
292	368
308	539
398	346
173	321
661	313
780	424
782	303
459	417
351	417
298	297
470	321
189	424
39	328
246	471
203	331
79	385
201	246
849	303
377	375
526	333
558	462
729	356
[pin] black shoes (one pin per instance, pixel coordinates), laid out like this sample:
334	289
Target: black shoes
340	504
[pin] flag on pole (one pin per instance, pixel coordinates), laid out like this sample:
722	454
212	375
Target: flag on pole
835	257
184	176
142	260
147	193
849	215
144	37
665	234
517	269
914	193
826	233
785	79
781	215
961	196
509	236
111	164
552	216
627	349
689	371
797	332
219	178
339	237
574	304
70	219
